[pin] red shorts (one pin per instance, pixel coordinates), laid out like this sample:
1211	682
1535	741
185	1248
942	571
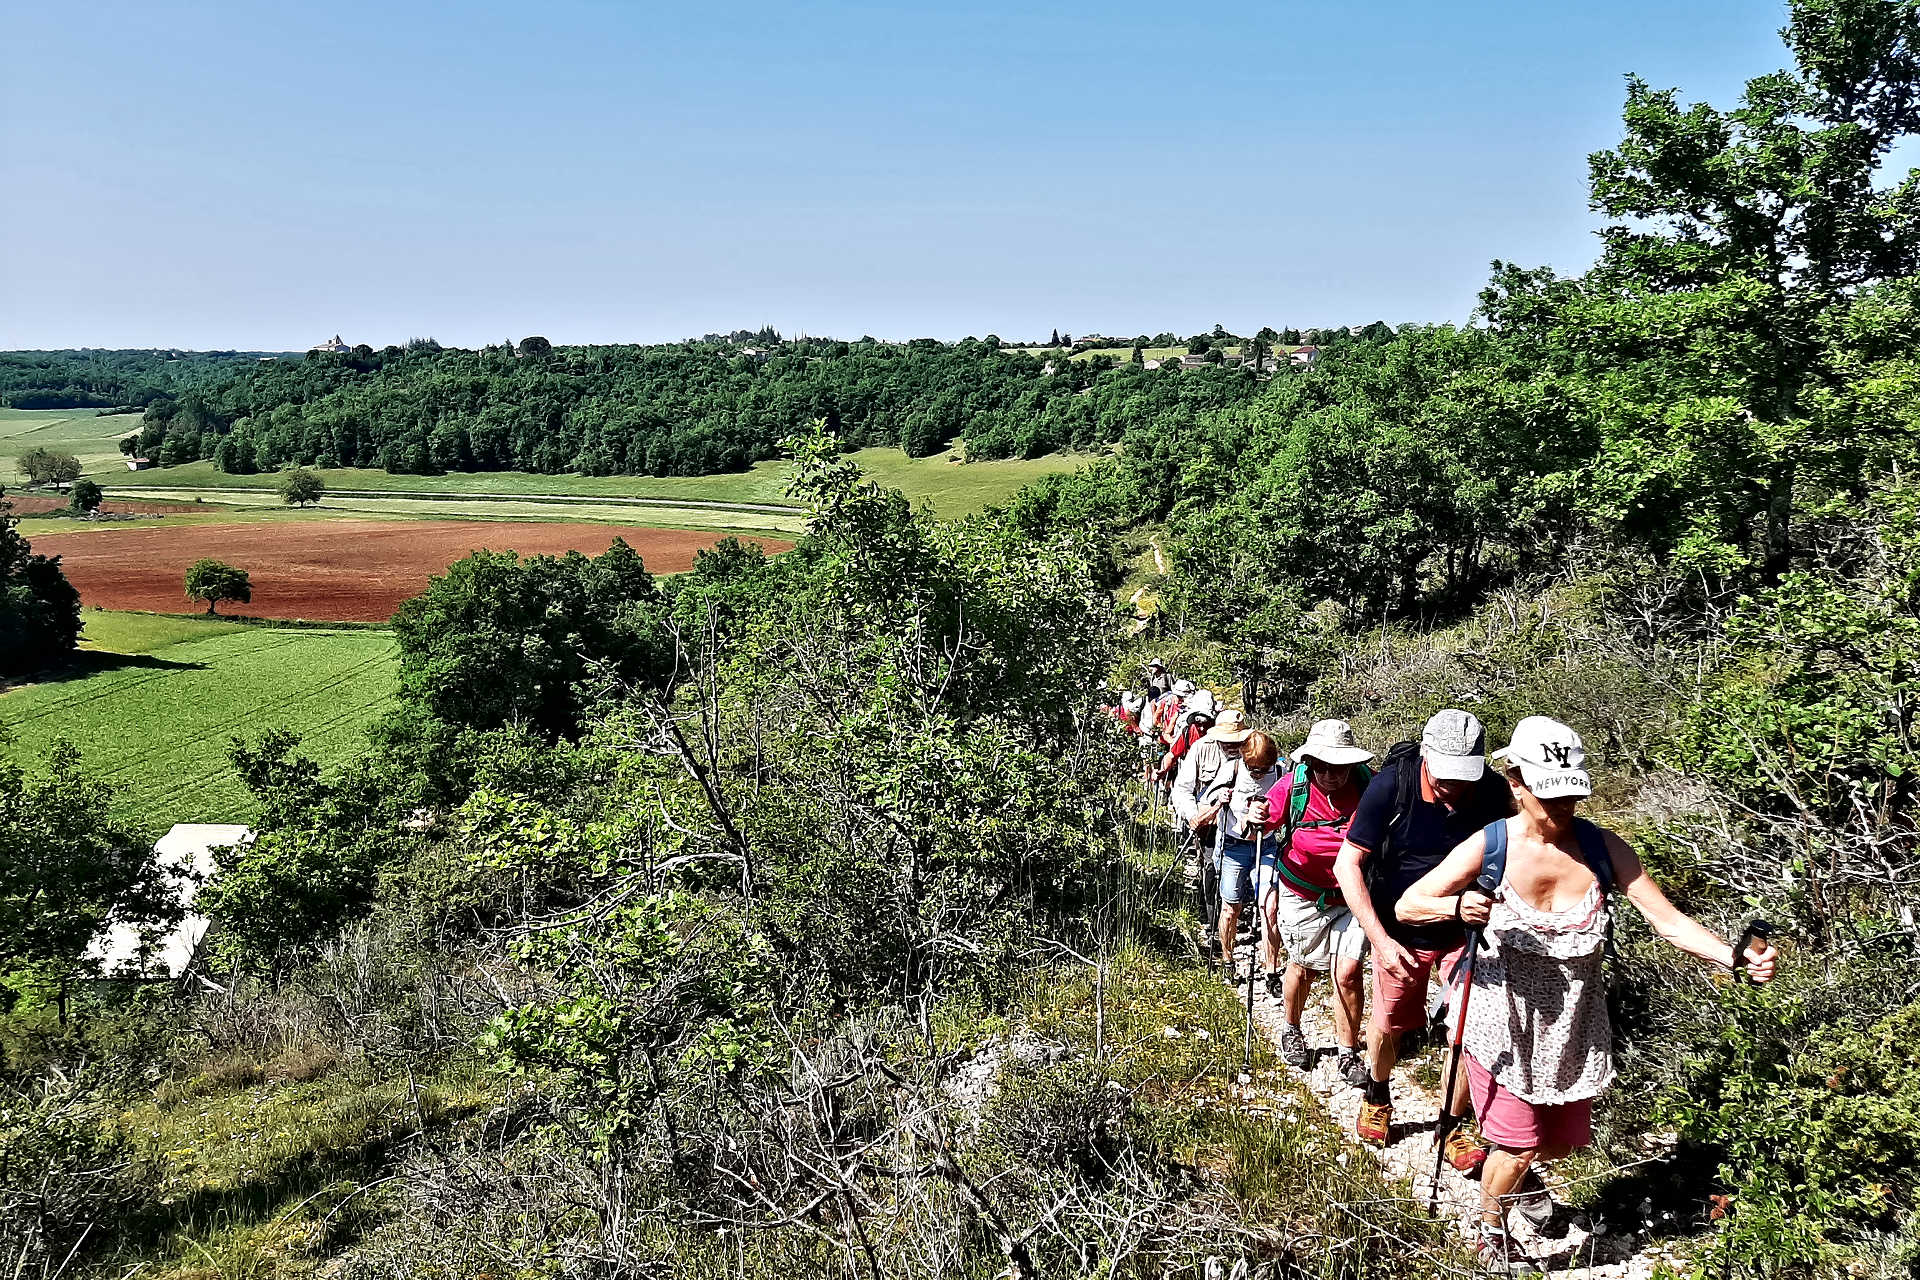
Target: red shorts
1519	1125
1401	1005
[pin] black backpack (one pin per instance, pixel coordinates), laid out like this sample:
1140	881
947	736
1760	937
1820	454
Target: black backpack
1405	758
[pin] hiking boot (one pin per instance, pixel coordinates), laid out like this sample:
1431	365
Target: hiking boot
1294	1050
1354	1069
1494	1251
1376	1119
1536	1207
1465	1154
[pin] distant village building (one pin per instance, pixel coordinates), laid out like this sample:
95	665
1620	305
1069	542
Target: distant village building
332	346
139	464
1192	361
185	855
1303	357
1151	364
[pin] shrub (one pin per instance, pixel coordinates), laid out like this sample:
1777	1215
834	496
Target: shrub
64	1175
1067	1115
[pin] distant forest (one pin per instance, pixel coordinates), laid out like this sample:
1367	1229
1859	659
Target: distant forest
93	379
717	404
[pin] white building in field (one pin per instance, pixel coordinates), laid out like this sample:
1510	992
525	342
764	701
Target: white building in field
333	346
186	857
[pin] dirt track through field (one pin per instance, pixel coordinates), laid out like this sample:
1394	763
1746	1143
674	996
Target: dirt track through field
336	570
40	505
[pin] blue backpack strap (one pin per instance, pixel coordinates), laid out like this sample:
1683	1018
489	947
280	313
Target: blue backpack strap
1493	863
1593	852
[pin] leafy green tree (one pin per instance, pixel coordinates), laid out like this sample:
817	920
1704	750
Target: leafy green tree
43	466
215	580
1699	350
66	865
291	887
498	641
535	346
39	608
85	497
300	486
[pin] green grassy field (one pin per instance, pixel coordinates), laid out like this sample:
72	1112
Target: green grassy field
81	432
953	488
264	506
162	696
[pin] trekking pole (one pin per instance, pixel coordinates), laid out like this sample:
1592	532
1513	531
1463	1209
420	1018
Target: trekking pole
1444	1125
1253	953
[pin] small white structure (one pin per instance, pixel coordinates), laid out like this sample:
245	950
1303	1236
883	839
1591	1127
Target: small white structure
185	854
335	347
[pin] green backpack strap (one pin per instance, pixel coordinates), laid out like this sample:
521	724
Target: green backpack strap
1299	791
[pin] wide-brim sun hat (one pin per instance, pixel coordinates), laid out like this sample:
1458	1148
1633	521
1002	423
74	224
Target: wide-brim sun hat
1550	756
1203	703
1185	688
1332	742
1454	746
1230	726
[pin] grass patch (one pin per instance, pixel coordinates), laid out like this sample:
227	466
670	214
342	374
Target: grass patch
111	631
256	1175
81	432
156	699
263	506
951	487
1261	1149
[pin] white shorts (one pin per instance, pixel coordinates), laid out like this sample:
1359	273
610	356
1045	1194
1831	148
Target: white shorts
1314	939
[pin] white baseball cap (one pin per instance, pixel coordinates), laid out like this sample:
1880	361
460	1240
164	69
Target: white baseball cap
1551	758
1184	688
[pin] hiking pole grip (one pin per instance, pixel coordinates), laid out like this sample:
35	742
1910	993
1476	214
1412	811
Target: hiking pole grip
1477	938
1756	930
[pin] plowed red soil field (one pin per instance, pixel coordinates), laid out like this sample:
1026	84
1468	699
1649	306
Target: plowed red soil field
333	570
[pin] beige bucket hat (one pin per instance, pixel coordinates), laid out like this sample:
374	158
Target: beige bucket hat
1332	742
1230	726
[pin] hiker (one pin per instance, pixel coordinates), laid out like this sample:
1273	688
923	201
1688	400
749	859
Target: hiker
1199	772
1156	723
1538	1044
1192	725
1422	803
1312	805
1241	806
1159	683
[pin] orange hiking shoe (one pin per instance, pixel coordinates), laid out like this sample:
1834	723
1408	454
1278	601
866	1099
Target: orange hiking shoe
1375	1119
1463	1153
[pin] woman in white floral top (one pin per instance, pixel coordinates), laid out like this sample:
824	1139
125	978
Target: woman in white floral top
1538	1045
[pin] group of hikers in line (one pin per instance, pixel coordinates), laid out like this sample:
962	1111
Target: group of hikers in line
1404	861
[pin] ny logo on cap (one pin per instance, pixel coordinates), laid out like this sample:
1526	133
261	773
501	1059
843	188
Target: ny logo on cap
1556	753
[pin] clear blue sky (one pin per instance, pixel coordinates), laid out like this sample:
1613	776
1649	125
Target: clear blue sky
266	175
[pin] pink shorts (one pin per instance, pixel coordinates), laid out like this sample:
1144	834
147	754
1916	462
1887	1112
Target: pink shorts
1519	1125
1402	1005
